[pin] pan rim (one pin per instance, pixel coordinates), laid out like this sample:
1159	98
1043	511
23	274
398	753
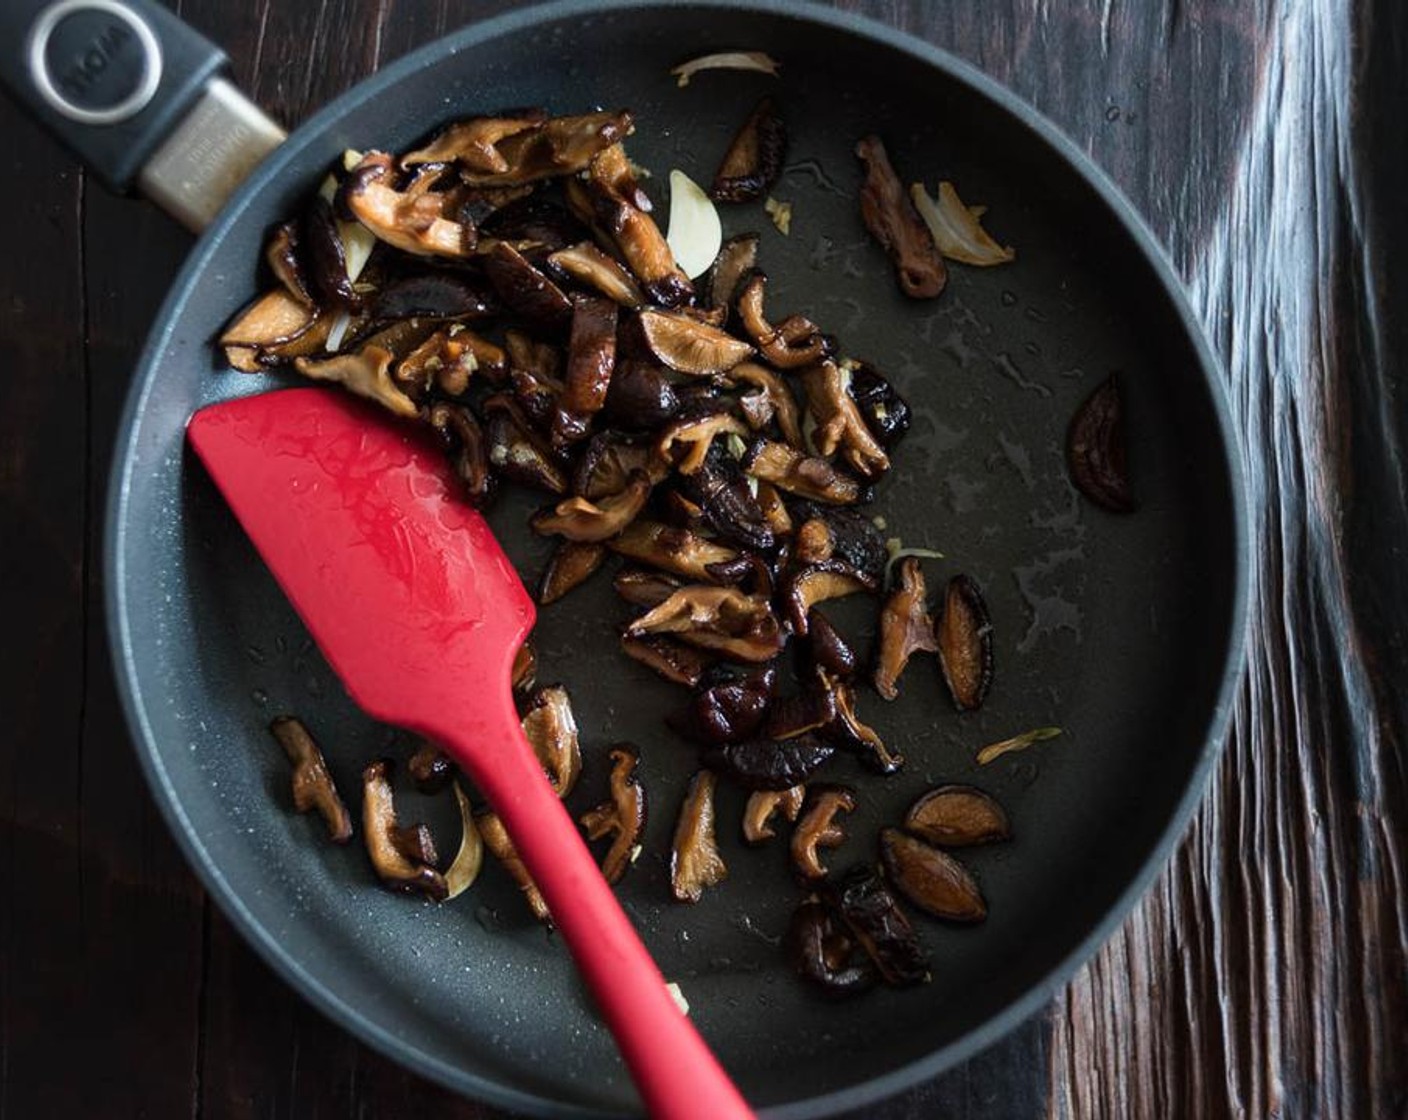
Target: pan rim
124	461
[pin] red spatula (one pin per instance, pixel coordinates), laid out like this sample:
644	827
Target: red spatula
419	611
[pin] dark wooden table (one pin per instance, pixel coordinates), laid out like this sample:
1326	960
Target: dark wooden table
1266	142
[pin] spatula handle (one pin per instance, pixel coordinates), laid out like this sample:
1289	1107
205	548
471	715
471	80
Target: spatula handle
674	1070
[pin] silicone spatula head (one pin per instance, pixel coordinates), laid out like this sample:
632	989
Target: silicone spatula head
399	581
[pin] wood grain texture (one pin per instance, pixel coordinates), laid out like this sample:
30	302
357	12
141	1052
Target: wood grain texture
1265	142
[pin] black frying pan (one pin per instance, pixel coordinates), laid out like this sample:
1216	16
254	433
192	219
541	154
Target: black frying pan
1126	632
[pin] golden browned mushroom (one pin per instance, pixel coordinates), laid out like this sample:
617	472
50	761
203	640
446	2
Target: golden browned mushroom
957	817
839	426
717	618
687	345
387	844
804	475
675	661
965	643
591	357
772	401
313	787
366	372
471	143
670	548
551	729
847	730
559	146
890	217
818	828
623	816
588	265
737	257
794	342
612	203
763	805
282	255
827	579
274	328
686	443
578	519
932	880
695	862
414	220
495	837
905	628
754	157
570	565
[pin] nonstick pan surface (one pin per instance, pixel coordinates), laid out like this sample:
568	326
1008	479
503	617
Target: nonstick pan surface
1124	631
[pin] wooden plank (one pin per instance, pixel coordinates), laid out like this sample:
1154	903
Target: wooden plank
43	500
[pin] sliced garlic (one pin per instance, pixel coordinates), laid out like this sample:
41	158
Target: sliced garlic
726	60
956	229
696	233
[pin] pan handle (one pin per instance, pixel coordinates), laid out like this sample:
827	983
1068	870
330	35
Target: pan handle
137	95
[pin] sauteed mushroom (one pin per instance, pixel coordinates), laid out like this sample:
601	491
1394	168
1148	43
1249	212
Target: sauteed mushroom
526	290
578	519
763	805
572	564
890	217
716	618
965	643
388	846
675	661
769	764
559	146
313	787
828	579
933	880
432	295
551	729
884	411
642	587
695	862
824	952
282	254
791	344
772	402
818	828
496	839
728	710
591	356
623	816
670	549
274	328
804	475
738	256
839	426
515	451
753	161
905	628
828	649
640	397
417	220
876	921
587	264
957	817
366	372
685	344
471	143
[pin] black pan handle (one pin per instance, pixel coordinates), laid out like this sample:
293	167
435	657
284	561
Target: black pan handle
138	96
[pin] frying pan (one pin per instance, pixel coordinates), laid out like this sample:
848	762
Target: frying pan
1127	632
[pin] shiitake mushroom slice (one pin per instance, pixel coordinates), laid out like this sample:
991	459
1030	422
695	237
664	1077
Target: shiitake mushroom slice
931	879
965	643
957	816
1095	449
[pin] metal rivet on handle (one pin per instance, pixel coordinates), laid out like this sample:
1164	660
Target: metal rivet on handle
103	55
